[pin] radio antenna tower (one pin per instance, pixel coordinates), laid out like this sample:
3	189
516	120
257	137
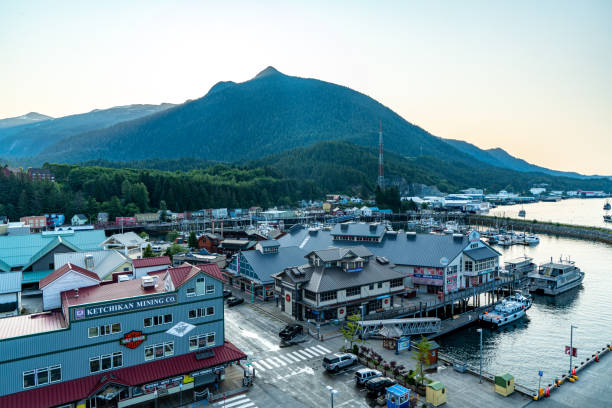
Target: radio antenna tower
381	172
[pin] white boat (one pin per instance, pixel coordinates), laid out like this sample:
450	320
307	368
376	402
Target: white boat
522	213
608	218
506	312
531	239
607	206
553	278
519	267
520	298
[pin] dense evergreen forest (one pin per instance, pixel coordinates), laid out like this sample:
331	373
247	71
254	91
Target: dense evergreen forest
90	189
125	188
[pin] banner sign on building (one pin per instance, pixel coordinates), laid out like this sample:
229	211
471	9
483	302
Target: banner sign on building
123	306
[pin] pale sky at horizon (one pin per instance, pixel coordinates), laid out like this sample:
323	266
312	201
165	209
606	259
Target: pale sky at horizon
534	78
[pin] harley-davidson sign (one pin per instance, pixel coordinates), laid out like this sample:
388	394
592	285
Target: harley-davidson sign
133	339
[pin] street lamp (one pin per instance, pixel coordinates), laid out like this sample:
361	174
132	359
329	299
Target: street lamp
571	351
480	374
332	392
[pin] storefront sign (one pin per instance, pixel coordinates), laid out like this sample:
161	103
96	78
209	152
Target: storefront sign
354	270
124	306
216	370
164	384
133	339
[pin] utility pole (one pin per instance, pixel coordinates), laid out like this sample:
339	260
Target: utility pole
381	173
571	351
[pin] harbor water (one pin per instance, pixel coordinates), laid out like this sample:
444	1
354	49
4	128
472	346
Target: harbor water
576	211
537	341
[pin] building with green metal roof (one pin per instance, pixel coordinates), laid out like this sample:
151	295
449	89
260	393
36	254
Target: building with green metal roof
33	254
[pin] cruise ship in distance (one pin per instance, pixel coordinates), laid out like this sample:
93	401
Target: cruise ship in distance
553	278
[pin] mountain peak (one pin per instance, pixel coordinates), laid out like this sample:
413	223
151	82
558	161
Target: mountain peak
268	72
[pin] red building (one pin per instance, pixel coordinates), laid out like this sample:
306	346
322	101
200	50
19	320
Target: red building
210	242
40	174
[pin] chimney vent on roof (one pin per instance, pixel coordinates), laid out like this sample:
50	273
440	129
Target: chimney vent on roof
373	227
411	235
89	262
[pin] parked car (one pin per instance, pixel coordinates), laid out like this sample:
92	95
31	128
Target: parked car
290	331
234	300
335	362
365	374
156	248
378	385
226	293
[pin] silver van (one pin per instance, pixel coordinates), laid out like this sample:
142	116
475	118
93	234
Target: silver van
365	374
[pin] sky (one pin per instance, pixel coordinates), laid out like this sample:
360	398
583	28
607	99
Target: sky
531	77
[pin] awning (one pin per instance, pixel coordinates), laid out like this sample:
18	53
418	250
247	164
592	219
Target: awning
69	391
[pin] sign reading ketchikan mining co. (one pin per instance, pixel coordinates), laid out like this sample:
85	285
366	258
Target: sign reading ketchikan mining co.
90	312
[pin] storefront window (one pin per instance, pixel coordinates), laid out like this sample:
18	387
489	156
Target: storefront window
159	350
211	339
148	353
193	343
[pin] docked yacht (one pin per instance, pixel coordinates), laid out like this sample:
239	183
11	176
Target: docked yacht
608	218
553	278
520	298
519	267
607	206
506	312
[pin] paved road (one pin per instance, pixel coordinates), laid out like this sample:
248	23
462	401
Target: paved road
289	376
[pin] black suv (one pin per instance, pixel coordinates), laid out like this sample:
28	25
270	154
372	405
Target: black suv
234	300
290	331
377	386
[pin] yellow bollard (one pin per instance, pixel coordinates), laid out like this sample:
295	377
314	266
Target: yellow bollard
575	377
571	379
535	397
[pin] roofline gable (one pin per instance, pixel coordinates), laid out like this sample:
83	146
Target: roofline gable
67	272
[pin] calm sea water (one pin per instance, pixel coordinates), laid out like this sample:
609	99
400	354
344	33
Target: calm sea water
537	341
575	211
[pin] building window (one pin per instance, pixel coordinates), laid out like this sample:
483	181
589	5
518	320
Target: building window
29	379
310	295
190	292
210	289
473	246
354	291
157	320
397	282
379	285
201	341
42	376
371	287
329	295
201	312
199	286
106	362
159	350
468	266
210	310
55	373
94	364
104	330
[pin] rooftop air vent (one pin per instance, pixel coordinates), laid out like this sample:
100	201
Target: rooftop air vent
458	236
373	227
148	282
411	235
344	227
382	260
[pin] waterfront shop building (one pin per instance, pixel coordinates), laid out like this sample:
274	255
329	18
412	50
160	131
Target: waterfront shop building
336	282
33	254
119	344
433	263
251	271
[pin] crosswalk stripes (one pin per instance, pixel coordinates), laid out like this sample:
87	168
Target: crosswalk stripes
309	353
268	366
286	359
298	356
278	360
241	401
272	362
316	351
323	348
258	366
303	354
